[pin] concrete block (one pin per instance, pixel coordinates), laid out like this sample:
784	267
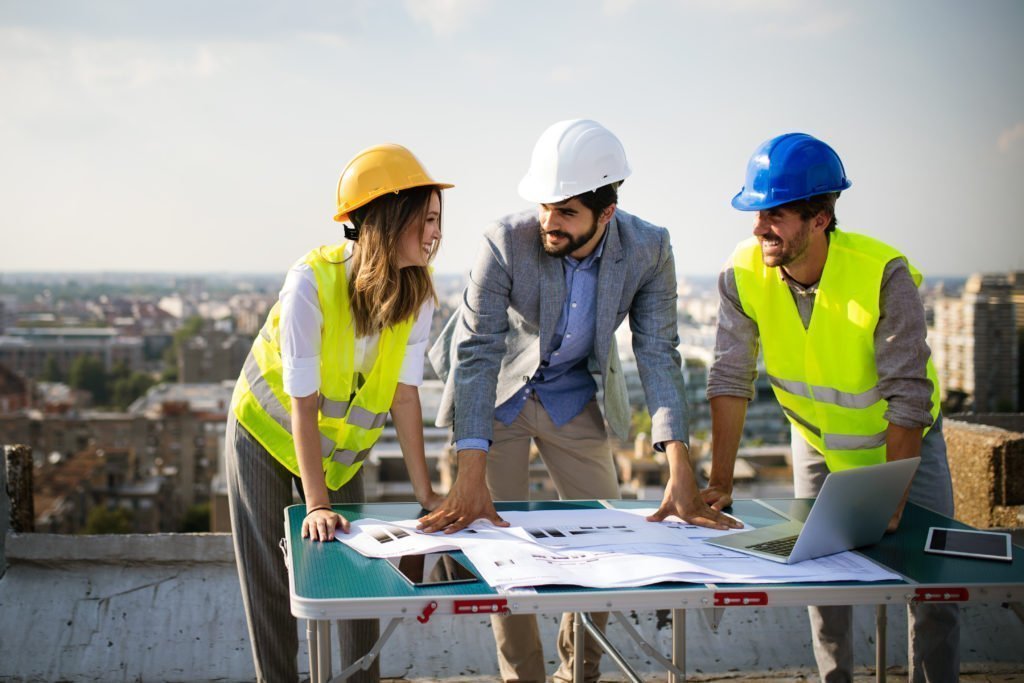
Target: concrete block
986	465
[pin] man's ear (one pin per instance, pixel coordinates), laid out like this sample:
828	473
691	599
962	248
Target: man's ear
606	215
821	221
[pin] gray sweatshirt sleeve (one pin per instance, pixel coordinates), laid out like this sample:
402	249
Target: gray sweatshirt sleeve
901	349
736	343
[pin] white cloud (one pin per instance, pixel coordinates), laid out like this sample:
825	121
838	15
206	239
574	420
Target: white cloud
617	8
324	38
815	26
132	64
1010	137
788	18
445	17
562	74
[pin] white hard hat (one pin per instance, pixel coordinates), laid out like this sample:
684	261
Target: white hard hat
570	158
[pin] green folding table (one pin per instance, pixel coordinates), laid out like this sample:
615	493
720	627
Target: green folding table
329	581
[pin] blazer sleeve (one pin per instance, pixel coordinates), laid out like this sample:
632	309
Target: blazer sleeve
652	319
481	345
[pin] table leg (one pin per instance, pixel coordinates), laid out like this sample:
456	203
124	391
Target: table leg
579	635
678	645
311	631
880	657
323	636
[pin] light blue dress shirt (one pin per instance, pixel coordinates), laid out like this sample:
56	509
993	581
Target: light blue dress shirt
563	382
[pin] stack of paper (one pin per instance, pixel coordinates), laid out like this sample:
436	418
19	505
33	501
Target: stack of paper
600	548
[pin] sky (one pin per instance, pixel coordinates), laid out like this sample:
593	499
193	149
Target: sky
197	136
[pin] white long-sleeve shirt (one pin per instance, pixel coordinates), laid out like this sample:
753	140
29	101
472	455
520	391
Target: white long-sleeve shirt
301	323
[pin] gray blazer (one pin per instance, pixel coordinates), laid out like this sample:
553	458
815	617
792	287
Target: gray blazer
492	344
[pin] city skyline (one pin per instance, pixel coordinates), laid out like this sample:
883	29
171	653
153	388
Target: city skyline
191	138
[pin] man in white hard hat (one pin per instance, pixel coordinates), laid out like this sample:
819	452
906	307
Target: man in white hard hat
545	296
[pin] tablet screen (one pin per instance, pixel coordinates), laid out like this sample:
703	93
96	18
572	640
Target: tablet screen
971	543
431	569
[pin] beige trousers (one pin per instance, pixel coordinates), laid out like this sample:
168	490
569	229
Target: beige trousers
579	460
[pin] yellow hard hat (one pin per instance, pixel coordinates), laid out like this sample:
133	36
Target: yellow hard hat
376	171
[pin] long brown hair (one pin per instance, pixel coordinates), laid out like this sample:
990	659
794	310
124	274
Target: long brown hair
381	293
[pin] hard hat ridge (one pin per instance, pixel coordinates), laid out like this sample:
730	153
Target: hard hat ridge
570	158
376	171
788	168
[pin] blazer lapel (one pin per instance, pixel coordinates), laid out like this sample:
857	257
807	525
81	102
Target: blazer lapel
609	290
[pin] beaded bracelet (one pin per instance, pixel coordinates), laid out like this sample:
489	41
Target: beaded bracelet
319	507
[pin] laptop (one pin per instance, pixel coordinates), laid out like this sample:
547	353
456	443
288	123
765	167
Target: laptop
852	510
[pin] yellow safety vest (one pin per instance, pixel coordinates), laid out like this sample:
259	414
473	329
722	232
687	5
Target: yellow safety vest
351	416
825	376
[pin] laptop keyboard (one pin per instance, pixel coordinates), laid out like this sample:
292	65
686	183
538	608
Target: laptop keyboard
781	547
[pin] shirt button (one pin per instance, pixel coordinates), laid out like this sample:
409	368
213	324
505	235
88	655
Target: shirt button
557	352
574	304
568	335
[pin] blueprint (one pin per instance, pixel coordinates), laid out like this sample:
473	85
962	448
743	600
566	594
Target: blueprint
600	548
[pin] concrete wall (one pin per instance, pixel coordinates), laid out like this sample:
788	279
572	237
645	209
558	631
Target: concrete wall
167	608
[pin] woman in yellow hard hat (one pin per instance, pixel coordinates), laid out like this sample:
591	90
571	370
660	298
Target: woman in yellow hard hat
342	348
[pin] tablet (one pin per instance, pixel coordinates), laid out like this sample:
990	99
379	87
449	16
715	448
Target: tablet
431	569
985	545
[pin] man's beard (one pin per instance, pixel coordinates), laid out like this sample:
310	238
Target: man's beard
571	245
791	252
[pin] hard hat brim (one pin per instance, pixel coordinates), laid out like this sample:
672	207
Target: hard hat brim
755	201
534	194
343	216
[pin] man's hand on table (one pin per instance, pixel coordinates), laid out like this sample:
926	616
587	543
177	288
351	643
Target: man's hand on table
690	506
718	497
468	499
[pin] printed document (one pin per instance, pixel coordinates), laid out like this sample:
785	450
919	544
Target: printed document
600	548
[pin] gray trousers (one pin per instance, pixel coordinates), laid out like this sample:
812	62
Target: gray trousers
933	631
259	488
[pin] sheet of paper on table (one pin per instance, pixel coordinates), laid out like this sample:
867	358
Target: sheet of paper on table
600	548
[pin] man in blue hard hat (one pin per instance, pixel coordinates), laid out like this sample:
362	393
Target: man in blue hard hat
842	327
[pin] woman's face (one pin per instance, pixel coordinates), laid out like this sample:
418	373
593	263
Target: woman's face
415	245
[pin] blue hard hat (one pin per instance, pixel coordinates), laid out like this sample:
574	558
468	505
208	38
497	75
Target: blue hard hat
787	168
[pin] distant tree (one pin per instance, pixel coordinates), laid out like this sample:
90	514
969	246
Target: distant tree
105	521
89	374
51	371
197	519
170	371
119	371
639	422
125	390
190	328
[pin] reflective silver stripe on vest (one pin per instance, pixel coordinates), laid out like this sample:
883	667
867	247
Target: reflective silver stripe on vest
853	442
331	408
796	418
361	417
798	388
846	399
843	399
348	457
265	334
265	396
